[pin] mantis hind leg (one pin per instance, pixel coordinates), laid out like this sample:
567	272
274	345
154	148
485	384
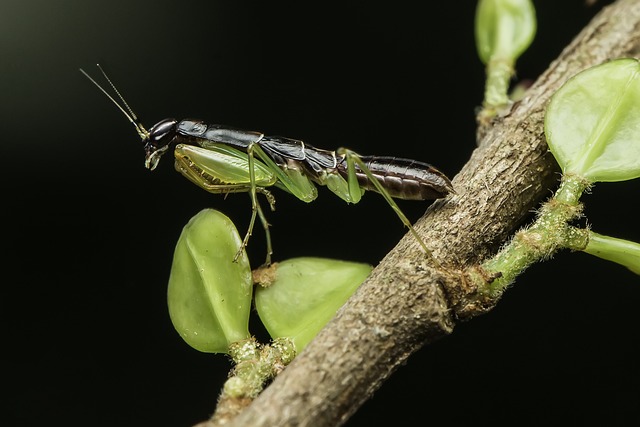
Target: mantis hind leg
352	160
256	210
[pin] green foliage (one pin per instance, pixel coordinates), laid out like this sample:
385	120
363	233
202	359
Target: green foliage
592	125
504	29
209	295
593	122
305	295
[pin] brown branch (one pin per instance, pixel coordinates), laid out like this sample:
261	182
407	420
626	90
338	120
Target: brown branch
406	303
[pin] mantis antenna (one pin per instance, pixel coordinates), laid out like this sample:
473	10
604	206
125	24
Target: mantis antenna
129	114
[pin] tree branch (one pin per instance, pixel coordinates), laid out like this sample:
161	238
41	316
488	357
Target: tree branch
406	302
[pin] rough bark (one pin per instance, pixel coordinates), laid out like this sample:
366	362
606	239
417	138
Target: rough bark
406	302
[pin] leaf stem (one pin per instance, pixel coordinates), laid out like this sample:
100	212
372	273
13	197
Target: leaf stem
549	233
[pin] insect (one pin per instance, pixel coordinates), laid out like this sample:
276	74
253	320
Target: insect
225	160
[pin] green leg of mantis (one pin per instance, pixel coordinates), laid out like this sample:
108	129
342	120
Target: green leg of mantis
256	210
265	225
354	188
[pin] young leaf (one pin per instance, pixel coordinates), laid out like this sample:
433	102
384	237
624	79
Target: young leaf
504	29
209	295
592	123
305	295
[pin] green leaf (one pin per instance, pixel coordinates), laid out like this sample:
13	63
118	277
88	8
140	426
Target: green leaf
592	123
504	29
209	294
623	252
305	295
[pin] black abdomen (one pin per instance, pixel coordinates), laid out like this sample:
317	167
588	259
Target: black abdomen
403	178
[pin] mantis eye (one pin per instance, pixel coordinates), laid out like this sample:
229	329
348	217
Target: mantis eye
162	133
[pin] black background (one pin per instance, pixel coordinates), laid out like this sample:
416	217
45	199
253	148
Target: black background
89	232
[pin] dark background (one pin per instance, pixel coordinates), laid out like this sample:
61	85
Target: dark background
89	232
